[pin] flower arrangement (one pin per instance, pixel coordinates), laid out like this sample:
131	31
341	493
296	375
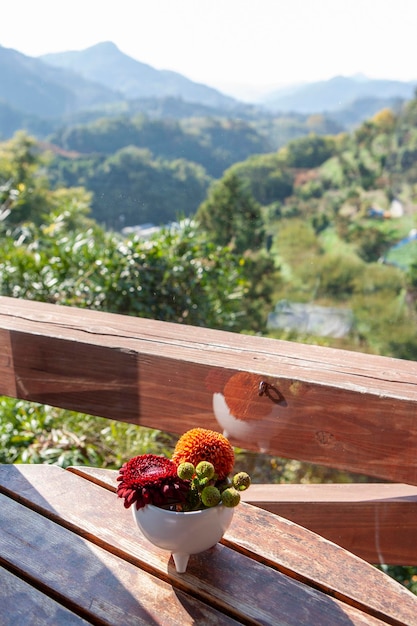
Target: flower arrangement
197	477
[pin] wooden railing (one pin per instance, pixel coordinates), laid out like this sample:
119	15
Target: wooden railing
341	409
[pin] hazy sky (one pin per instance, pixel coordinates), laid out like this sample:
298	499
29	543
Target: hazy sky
228	42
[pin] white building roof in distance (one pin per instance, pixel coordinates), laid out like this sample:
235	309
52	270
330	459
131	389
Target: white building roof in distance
311	319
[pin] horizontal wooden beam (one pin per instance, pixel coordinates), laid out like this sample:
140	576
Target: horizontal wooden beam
374	521
332	407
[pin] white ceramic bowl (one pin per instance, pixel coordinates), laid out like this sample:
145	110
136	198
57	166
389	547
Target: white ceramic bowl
183	533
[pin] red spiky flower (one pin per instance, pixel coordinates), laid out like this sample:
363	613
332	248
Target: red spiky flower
150	479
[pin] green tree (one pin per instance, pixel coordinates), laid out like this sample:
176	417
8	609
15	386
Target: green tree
371	241
25	193
53	252
337	275
308	152
231	216
265	177
23	185
132	187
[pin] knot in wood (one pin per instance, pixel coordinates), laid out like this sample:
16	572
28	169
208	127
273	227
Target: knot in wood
325	438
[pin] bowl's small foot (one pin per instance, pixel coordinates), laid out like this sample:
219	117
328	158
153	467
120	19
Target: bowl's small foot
181	561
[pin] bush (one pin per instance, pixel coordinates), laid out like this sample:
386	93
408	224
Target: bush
34	433
337	275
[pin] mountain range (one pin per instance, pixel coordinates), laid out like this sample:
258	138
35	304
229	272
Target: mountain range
33	87
105	64
336	94
44	93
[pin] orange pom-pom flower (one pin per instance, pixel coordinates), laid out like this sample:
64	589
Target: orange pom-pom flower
200	444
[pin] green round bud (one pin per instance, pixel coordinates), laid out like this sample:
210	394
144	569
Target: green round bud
230	497
186	471
241	481
205	469
210	496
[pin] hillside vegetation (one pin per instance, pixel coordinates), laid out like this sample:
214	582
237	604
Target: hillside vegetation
334	208
324	202
147	143
323	207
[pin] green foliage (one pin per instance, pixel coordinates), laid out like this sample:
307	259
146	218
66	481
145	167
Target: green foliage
407	576
404	256
295	246
412	276
231	216
212	143
262	277
372	241
321	268
177	276
32	433
64	257
23	189
336	276
131	187
25	195
265	177
307	152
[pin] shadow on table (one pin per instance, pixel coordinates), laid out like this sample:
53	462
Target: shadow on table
76	573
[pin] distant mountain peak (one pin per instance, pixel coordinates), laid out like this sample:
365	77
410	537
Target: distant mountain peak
360	77
104	45
104	63
33	87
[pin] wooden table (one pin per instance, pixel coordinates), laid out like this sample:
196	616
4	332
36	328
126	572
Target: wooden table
71	554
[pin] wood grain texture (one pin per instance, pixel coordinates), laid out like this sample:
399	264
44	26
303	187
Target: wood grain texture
363	518
23	605
252	590
261	533
341	409
98	585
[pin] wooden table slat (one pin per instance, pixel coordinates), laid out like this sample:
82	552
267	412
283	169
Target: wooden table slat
89	579
21	604
363	518
231	582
